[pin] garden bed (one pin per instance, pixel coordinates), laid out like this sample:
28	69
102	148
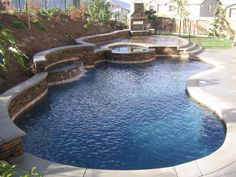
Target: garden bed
53	32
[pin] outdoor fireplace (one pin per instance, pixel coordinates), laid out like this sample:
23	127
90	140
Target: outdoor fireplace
138	20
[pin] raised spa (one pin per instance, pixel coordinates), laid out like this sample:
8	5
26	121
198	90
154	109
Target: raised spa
123	117
128	49
130	54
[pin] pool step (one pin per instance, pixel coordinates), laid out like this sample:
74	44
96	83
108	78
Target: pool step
189	47
191	50
197	50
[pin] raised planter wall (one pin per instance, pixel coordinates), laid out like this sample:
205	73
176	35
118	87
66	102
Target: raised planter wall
11	149
24	99
104	38
65	74
13	103
84	54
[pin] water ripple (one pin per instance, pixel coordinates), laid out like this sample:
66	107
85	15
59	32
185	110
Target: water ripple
123	117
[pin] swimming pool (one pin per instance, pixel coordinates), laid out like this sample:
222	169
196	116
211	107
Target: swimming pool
123	117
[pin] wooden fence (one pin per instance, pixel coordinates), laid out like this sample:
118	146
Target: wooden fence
19	5
194	27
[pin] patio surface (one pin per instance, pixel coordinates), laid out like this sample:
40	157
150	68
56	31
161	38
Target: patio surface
161	40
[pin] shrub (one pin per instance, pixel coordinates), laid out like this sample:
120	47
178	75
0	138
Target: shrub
18	24
151	15
221	26
7	170
35	21
9	49
34	8
69	39
86	26
42	26
116	25
76	14
99	11
47	14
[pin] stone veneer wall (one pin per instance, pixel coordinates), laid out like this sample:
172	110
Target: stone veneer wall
84	54
134	57
10	149
166	50
22	100
64	75
104	38
13	103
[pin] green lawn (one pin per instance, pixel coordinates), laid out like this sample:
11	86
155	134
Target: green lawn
207	42
212	42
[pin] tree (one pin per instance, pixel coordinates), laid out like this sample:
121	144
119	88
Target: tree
151	15
220	26
99	11
9	49
182	12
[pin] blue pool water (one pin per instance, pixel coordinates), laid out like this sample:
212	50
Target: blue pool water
123	117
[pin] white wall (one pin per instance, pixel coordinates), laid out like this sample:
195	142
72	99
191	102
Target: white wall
232	19
164	10
228	12
194	10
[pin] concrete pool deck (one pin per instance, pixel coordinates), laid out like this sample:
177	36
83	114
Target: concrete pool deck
216	89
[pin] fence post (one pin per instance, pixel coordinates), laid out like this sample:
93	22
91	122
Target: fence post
28	14
19	4
45	4
76	3
65	5
190	25
180	24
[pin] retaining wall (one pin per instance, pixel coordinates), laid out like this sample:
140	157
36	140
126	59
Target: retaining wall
12	103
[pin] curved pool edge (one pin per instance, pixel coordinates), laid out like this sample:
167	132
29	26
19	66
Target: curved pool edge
224	157
200	167
206	166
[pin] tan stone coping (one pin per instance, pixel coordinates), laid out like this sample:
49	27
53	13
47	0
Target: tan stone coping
42	56
8	130
83	40
122	44
127	43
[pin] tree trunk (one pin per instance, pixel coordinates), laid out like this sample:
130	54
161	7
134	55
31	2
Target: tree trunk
28	14
180	24
65	4
76	3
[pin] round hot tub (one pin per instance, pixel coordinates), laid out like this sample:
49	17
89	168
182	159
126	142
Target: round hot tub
130	54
